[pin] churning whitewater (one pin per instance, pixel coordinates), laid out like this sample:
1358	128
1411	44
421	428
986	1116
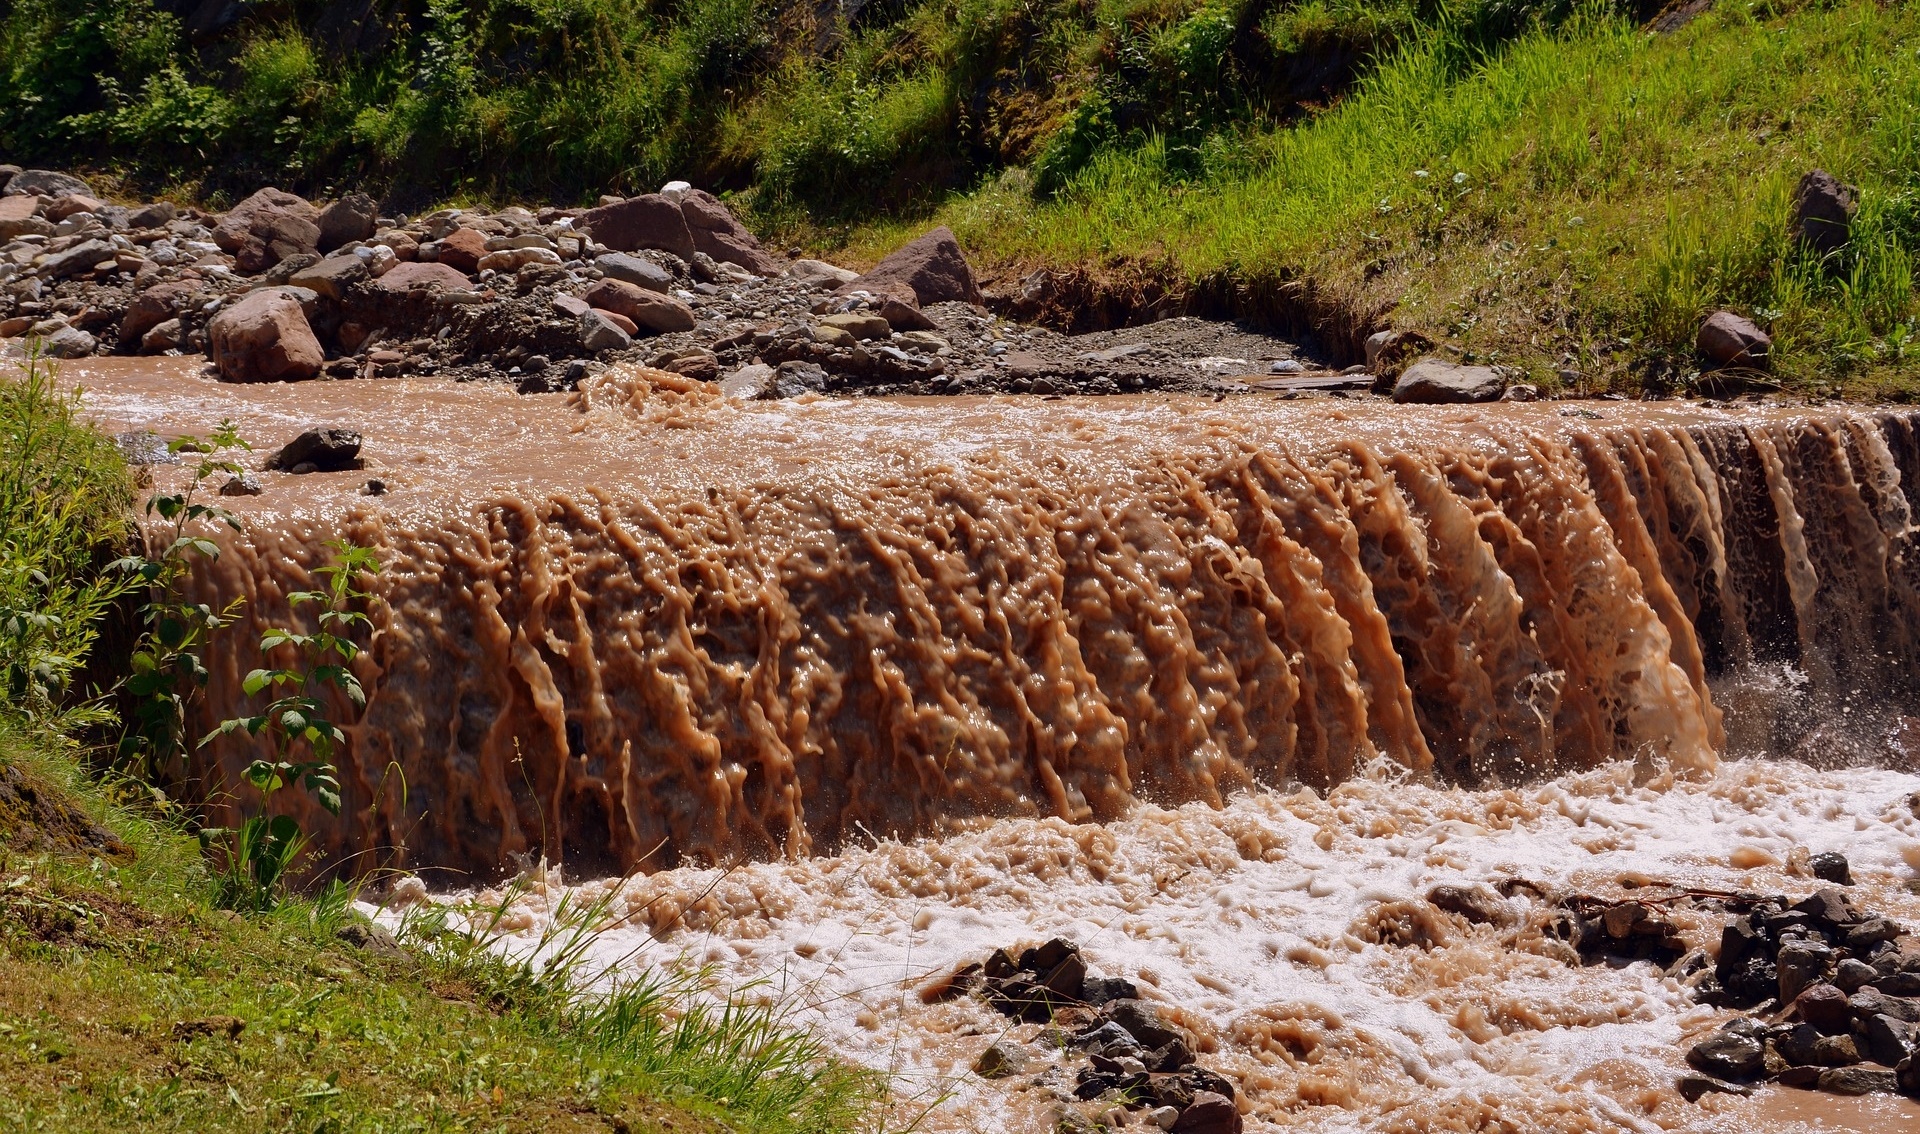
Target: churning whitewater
843	695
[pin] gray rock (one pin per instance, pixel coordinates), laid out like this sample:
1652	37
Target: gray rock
1143	1021
68	342
598	333
1823	208
635	270
819	274
1850	975
1727	1055
749	382
795	378
1803	1046
1726	339
1800	963
349	219
1886	1040
46	183
242	485
1870	1001
78	260
1434	382
1209	1113
1001	1059
157	215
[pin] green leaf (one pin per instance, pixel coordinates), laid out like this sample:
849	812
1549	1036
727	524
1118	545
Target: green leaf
256	681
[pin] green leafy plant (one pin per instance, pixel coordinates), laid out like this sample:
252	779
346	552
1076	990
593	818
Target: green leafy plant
63	492
166	667
299	726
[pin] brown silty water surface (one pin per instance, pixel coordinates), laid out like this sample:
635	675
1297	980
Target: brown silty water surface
641	625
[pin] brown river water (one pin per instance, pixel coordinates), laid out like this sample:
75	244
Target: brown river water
838	694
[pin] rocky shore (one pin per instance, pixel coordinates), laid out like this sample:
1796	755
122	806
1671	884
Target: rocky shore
282	289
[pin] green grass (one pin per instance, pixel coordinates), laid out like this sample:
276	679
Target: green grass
1578	198
129	1000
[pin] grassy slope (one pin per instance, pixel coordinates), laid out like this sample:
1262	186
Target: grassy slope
1579	199
118	974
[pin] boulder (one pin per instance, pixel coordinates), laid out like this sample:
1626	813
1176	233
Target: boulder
649	221
45	183
1002	1058
1823	208
1825	1007
78	260
319	450
859	325
1728	1055
716	233
157	215
153	307
1434	382
819	274
754	380
1209	1113
662	314
264	338
598	332
332	277
265	228
164	336
513	259
904	316
462	249
19	216
60	208
930	268
417	276
1727	339
7	173
1831	866
634	270
350	218
68	342
1858	1081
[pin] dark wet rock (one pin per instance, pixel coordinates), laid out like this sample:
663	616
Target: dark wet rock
1101	990
1907	1076
66	341
319	450
1825	1007
243	485
1693	1088
1001	1059
1862	936
1803	1046
1173	1056
1870	1001
1727	339
1105	1037
1143	1020
1857	1081
1849	975
1727	1055
1823	209
1799	964
1831	866
350	218
1432	381
928	269
1885	1040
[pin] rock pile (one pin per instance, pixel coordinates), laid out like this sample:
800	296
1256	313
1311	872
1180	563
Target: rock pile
282	289
1124	1055
1831	998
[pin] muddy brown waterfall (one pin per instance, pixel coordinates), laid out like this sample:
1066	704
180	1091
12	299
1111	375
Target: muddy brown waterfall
642	625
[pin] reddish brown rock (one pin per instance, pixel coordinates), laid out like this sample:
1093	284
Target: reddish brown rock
462	250
60	208
1209	1113
264	338
266	228
153	307
346	220
1731	340
930	268
408	277
648	309
719	235
651	221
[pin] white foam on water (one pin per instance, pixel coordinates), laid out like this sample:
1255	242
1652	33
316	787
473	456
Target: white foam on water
1268	928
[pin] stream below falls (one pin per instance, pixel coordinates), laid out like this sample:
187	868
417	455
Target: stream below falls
842	694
